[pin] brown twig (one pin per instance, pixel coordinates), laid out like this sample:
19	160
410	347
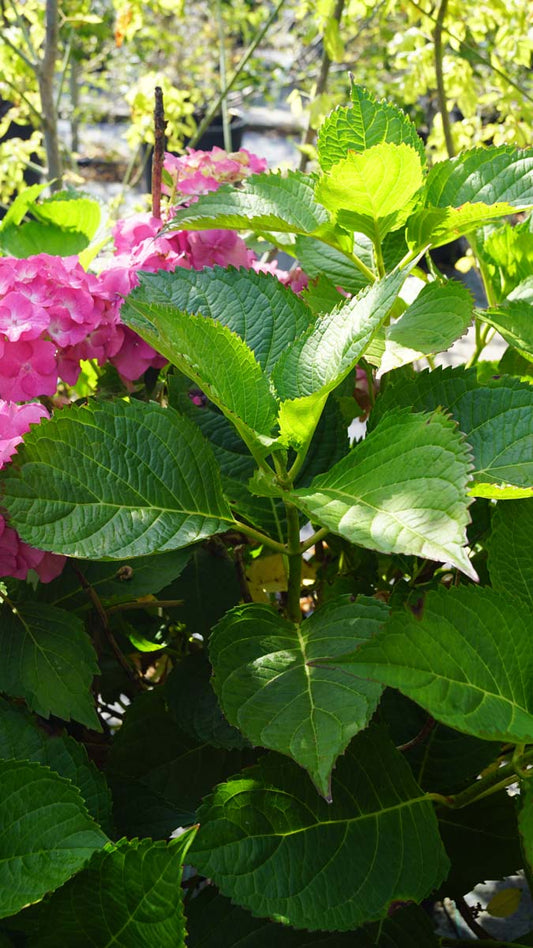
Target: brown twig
426	729
147	604
467	914
159	151
136	681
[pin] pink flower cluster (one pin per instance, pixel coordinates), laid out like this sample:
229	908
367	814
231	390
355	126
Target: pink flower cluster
54	314
16	557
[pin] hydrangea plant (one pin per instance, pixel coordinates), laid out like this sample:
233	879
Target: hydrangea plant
296	665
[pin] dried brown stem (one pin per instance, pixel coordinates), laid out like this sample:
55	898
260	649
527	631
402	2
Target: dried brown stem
159	151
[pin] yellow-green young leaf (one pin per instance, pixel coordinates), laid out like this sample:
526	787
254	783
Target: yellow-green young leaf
213	357
496	419
49	660
46	834
366	122
275	847
467	661
136	885
510	550
256	306
267	690
373	192
109	481
504	903
401	490
64	225
265	202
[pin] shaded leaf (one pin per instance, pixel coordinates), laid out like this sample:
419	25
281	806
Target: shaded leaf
158	774
49	660
514	321
467	661
510	553
365	123
118	480
267	690
401	490
209	568
195	707
320	259
275	847
46	834
147	910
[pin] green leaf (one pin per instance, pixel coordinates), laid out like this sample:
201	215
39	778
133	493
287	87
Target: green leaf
467	661
486	175
320	358
64	226
268	691
195	707
373	192
439	315
158	774
275	847
115	480
367	122
136	886
320	259
46	834
48	659
510	554
401	490
256	306
514	321
215	358
497	421
482	842
22	739
265	202
434	226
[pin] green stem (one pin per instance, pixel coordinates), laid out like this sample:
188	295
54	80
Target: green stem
491	783
214	110
378	253
319	535
294	587
259	537
223	78
439	74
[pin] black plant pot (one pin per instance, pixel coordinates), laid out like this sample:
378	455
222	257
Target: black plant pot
211	138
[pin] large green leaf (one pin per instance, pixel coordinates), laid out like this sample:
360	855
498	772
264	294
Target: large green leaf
438	316
22	739
375	191
320	259
514	321
115	480
158	774
267	689
48	659
265	202
467	661
213	922
496	419
319	359
275	847
365	123
510	551
64	225
488	175
137	888
256	306
46	834
481	841
401	490
215	358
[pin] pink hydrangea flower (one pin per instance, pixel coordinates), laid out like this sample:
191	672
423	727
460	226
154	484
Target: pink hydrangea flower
17	557
15	421
135	356
198	172
27	369
224	248
129	233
